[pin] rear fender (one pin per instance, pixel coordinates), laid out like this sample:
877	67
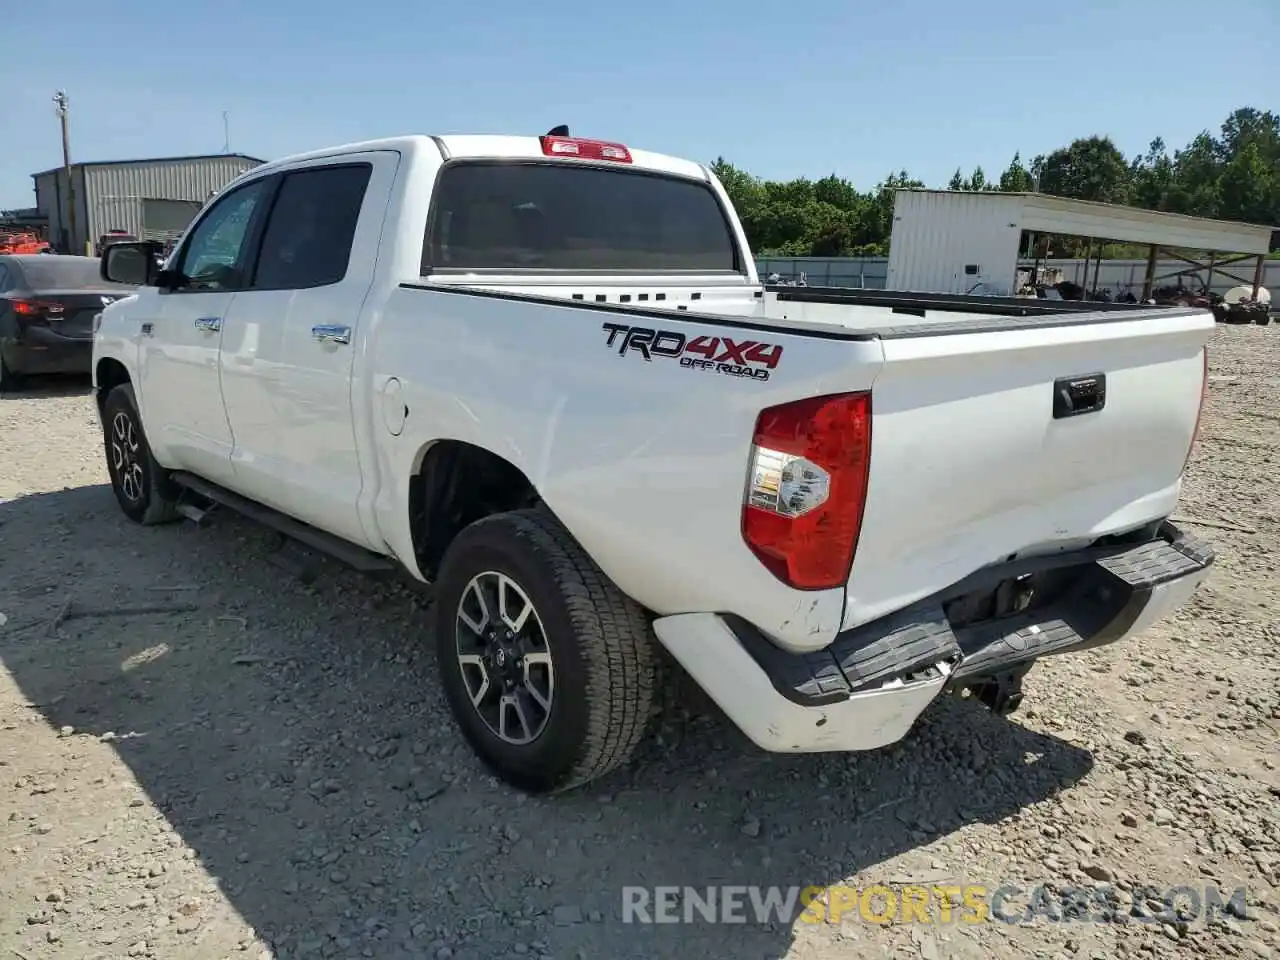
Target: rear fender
643	458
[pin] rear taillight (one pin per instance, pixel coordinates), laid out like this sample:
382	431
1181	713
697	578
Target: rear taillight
36	309
585	149
1204	395
808	484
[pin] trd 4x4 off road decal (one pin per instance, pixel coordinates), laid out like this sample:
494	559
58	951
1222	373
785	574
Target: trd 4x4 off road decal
735	358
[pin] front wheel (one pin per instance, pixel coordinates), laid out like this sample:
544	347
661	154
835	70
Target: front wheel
139	483
548	668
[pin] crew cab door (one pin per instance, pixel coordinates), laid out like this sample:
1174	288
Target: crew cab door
180	331
290	339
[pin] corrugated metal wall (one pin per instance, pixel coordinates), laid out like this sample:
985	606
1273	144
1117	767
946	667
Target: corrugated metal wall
110	196
51	200
954	243
114	194
167	219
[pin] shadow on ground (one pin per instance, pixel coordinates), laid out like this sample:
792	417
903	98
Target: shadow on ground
41	386
296	738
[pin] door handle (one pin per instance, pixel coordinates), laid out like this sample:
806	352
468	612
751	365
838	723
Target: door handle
209	324
330	333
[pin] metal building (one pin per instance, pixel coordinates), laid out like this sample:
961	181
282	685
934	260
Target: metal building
150	199
952	241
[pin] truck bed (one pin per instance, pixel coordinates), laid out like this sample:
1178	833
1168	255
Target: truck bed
969	465
890	313
835	313
907	301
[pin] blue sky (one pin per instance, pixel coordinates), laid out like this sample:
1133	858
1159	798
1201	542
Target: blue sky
783	89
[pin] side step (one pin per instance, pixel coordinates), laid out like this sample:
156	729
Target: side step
350	554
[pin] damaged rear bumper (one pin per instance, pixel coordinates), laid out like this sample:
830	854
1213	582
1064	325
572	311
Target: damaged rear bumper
867	689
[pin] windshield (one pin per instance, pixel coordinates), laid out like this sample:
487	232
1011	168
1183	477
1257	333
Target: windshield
573	219
64	273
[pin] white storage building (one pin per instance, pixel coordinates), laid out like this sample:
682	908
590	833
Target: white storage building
153	199
951	241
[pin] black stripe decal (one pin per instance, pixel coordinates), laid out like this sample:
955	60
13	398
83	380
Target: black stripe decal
818	331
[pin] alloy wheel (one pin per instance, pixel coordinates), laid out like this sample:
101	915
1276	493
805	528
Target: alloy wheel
504	658
126	457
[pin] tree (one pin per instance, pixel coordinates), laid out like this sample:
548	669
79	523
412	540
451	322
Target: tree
1092	168
974	183
1247	126
1016	178
1196	170
1245	187
1152	177
836	191
1235	174
744	190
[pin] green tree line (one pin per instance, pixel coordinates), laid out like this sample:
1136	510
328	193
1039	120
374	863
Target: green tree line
1231	175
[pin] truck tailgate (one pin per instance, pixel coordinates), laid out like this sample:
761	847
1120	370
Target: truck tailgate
972	461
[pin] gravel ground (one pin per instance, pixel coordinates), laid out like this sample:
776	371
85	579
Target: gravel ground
265	767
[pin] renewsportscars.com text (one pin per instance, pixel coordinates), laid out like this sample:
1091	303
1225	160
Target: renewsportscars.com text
968	904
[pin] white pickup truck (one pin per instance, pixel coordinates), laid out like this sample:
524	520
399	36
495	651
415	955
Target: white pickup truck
541	374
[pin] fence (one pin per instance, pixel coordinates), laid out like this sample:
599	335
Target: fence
1118	276
863	273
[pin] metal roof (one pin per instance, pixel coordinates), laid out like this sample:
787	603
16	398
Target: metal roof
1043	213
128	163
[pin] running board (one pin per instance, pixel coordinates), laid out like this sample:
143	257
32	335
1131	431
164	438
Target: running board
361	559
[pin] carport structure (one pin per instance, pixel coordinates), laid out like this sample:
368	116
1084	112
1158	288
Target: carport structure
954	241
1175	236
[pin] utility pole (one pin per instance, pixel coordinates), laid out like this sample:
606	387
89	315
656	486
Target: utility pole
60	107
226	133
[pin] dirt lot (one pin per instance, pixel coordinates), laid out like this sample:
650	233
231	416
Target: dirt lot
266	768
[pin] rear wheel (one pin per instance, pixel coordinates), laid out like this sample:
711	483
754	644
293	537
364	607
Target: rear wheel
548	667
9	381
1262	319
140	484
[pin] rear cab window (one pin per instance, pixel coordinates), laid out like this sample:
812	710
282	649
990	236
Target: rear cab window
570	217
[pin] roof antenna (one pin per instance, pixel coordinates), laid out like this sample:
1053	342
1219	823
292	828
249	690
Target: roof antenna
560	131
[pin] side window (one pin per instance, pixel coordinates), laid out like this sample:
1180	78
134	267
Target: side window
4	278
212	259
307	241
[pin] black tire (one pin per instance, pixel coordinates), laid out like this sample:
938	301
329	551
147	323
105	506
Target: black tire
600	645
10	382
1262	319
146	496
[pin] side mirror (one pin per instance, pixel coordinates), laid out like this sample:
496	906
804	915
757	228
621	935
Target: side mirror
133	263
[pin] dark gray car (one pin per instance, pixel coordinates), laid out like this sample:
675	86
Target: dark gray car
47	305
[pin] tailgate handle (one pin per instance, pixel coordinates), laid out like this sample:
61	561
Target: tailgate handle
1073	396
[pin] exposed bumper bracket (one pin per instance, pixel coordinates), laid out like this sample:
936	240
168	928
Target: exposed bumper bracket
869	687
1100	595
1001	693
